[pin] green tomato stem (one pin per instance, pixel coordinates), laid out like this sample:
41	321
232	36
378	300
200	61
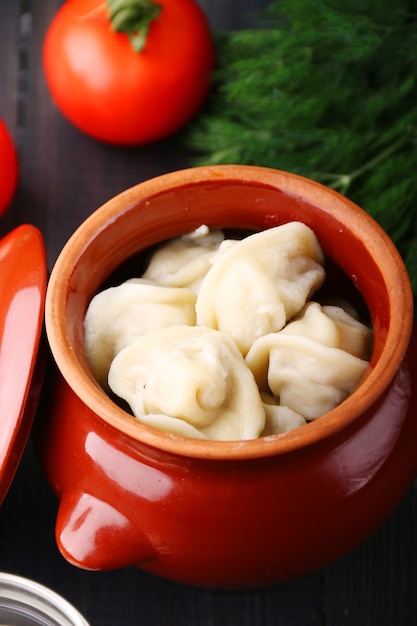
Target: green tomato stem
133	17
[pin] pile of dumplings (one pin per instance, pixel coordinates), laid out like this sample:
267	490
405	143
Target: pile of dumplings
220	339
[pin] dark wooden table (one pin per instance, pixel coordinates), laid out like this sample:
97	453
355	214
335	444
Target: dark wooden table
64	176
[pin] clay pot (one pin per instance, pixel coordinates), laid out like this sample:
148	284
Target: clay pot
227	514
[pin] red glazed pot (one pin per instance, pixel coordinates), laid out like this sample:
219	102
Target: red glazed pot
227	514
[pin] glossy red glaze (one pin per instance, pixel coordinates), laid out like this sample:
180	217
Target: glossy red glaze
227	514
23	278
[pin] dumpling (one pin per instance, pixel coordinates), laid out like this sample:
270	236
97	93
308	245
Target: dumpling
259	283
119	315
332	326
192	381
279	419
184	261
303	374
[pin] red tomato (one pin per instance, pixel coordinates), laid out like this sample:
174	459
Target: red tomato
120	96
8	168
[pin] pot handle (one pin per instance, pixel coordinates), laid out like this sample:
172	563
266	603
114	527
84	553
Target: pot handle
93	535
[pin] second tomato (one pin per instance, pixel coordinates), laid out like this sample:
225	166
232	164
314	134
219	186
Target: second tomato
116	94
9	168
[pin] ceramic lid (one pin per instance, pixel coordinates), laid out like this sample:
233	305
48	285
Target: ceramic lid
23	279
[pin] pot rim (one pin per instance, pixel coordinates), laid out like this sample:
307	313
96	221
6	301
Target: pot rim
376	380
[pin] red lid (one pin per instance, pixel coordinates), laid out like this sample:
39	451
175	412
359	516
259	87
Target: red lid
23	279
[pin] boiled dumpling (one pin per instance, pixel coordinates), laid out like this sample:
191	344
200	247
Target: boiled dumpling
303	374
279	419
332	326
259	283
184	261
191	381
119	315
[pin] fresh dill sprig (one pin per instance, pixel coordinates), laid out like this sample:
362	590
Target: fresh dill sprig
326	89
